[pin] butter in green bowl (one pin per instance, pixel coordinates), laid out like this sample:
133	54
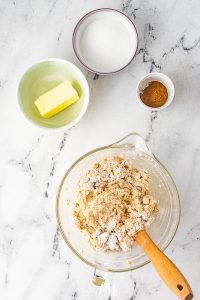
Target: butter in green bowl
44	76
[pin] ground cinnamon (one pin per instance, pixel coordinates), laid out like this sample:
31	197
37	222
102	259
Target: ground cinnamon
154	95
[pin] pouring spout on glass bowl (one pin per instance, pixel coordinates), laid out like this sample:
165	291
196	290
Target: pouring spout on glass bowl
162	229
133	141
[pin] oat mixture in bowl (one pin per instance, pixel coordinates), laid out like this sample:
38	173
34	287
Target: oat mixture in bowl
74	223
113	203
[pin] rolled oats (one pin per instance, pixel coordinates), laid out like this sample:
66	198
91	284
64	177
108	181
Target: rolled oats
113	203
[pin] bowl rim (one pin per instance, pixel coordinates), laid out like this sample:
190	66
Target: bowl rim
76	30
57	207
85	103
159	75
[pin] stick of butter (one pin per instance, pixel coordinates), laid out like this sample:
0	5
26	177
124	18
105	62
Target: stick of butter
56	99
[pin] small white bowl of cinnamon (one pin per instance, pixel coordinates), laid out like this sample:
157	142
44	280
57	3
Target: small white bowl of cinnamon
155	91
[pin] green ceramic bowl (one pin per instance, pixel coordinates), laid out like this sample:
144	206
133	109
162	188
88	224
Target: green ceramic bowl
44	76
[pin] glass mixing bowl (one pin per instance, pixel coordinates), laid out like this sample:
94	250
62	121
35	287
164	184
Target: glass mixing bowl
161	230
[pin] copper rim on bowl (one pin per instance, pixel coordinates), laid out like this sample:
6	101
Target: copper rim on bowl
75	35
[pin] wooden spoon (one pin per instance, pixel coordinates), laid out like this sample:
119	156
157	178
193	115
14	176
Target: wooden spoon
169	273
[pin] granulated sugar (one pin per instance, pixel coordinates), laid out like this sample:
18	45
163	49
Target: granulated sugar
106	41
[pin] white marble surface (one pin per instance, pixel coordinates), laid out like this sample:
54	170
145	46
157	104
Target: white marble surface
35	263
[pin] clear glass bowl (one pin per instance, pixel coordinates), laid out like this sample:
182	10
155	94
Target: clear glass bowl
163	228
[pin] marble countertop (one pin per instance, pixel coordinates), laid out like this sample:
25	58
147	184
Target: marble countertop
35	262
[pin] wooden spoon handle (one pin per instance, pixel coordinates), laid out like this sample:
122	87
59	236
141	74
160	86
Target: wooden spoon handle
169	273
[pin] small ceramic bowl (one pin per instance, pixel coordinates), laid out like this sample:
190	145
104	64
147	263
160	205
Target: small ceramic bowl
105	41
46	75
165	80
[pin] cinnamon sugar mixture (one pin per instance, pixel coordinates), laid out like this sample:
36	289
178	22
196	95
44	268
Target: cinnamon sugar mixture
155	94
113	203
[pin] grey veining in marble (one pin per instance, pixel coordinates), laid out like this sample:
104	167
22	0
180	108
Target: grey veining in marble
35	262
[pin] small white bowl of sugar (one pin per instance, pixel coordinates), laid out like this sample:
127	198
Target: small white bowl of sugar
105	41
